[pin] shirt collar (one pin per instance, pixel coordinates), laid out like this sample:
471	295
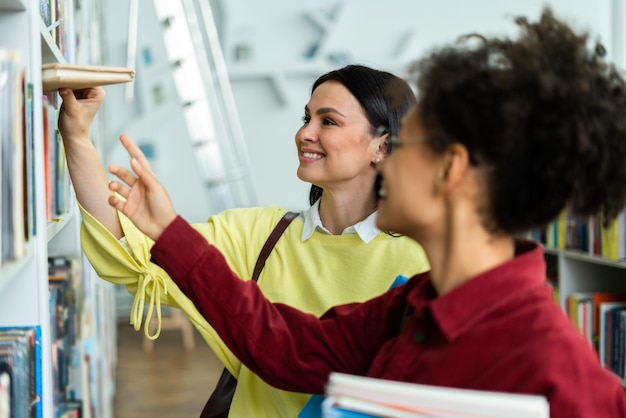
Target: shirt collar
459	310
366	229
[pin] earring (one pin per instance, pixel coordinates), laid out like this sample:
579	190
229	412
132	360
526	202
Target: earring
377	161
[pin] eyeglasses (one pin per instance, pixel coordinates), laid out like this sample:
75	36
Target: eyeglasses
393	140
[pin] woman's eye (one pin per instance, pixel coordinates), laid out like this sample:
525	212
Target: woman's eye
328	121
306	119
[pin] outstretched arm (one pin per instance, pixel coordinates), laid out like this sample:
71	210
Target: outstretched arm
304	349
85	167
145	201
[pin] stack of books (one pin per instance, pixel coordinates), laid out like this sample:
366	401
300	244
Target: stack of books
358	396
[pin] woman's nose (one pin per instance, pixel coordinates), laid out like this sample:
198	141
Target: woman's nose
307	133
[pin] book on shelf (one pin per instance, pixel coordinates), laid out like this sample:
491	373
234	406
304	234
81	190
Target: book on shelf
585	309
63	278
30	200
358	396
589	235
44	12
556	234
607	331
48	123
63	184
580	310
12	228
594	235
613	238
57	75
56	176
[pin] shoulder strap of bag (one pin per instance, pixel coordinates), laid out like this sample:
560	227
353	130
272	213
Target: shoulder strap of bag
271	242
218	404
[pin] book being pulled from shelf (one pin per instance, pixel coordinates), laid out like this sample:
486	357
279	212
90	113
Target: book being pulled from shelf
358	396
56	75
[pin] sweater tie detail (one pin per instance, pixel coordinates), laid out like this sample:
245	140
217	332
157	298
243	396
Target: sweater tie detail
153	285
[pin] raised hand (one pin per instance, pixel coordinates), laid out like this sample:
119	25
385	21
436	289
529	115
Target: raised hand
145	201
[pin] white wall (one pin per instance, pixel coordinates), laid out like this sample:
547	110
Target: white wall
384	34
159	123
271	84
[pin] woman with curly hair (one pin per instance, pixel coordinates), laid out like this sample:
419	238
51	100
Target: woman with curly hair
506	133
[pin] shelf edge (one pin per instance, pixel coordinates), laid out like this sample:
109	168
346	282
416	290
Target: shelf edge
57	224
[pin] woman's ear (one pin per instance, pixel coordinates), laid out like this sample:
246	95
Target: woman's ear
455	164
383	145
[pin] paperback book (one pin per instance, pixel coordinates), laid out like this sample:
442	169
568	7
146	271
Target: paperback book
12	229
56	75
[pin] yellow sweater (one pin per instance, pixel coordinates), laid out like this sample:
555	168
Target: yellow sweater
323	271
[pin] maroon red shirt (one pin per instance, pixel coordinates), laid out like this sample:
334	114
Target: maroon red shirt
499	331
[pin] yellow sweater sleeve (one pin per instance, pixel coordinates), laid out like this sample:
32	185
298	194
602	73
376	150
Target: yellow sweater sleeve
312	275
145	280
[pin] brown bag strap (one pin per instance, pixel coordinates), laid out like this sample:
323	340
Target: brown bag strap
218	404
271	242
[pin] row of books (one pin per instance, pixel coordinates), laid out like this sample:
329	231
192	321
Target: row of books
54	14
63	280
20	372
587	235
601	318
17	167
58	189
21	379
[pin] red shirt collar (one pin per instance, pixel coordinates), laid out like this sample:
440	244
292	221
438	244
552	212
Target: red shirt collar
459	310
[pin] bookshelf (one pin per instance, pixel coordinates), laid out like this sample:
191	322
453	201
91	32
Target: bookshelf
584	263
25	292
579	271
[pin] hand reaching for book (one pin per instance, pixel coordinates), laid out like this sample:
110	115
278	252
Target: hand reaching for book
145	201
78	110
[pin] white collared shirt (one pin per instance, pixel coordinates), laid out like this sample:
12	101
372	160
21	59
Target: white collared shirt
366	229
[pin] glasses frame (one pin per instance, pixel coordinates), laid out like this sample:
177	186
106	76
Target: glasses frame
395	142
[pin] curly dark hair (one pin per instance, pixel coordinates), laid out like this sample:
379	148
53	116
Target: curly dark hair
543	114
384	97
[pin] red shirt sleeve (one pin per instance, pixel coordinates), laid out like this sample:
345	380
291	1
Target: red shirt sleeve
287	348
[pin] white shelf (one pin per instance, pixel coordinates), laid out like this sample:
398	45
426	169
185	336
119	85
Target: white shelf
50	52
589	258
57	224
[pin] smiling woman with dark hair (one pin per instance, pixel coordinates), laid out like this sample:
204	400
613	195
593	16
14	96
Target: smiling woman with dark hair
332	253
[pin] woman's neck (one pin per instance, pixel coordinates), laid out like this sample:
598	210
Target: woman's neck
339	212
464	250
